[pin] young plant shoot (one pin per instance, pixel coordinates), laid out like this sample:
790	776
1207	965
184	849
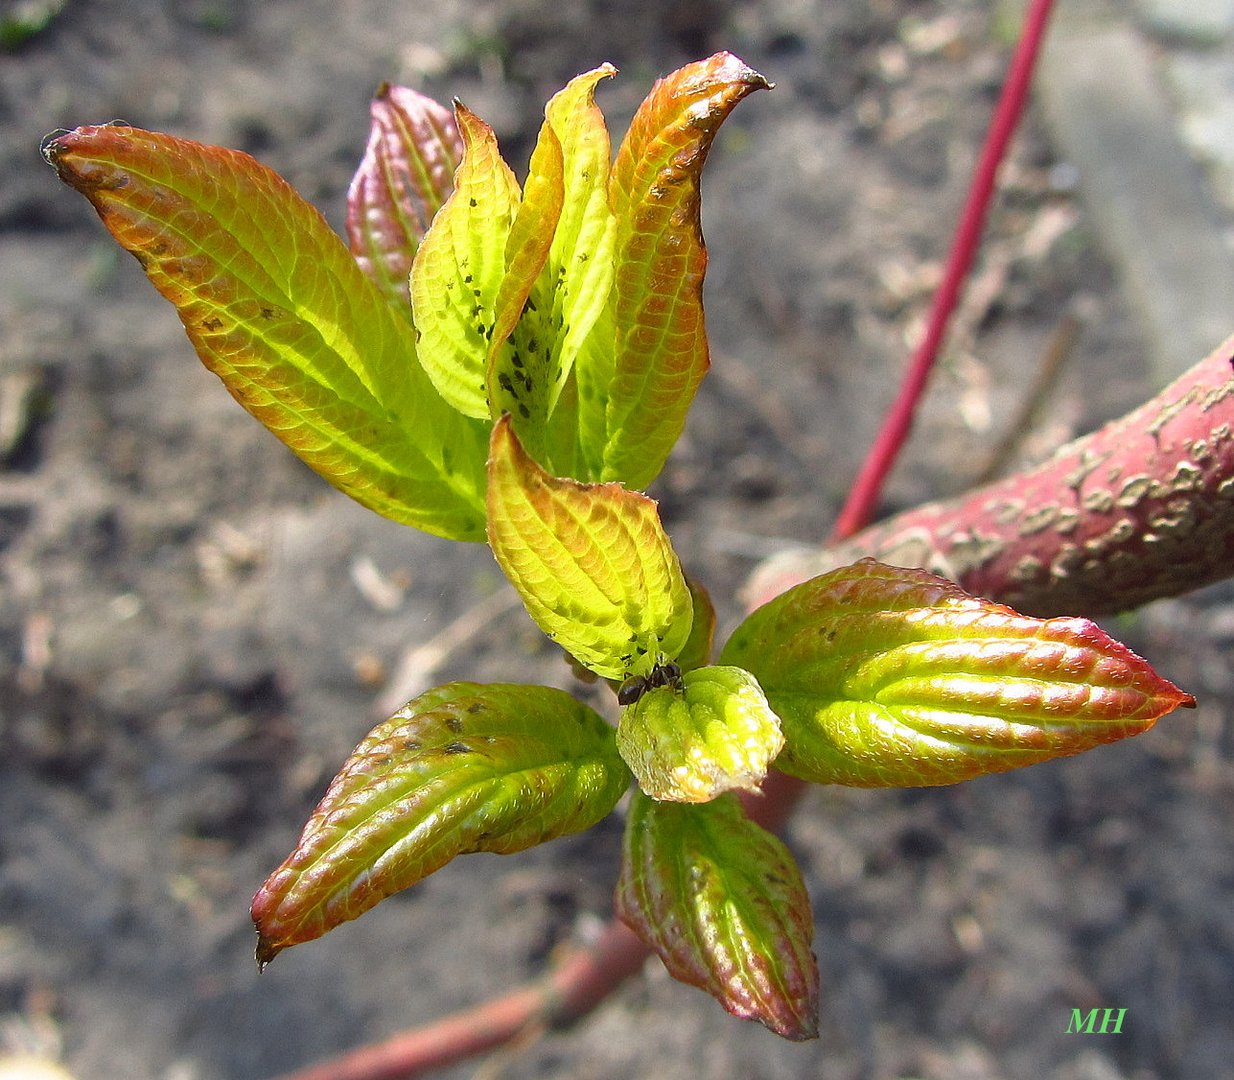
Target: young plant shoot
512	365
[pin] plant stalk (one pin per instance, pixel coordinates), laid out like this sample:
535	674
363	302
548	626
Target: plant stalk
862	500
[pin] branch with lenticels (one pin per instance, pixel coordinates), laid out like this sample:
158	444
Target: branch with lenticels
1142	508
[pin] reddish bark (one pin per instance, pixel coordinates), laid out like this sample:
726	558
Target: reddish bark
1141	509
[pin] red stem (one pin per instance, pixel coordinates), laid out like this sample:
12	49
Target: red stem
862	499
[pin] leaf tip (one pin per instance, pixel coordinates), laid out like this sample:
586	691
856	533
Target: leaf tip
264	953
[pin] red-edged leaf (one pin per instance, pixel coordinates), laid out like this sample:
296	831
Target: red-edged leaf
591	562
406	175
891	677
277	307
462	768
661	352
723	904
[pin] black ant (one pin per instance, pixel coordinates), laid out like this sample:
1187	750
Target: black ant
635	686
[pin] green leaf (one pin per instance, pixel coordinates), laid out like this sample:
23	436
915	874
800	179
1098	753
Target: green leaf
459	267
697	650
723	904
891	677
406	175
591	562
523	377
661	344
534	354
715	734
277	308
462	768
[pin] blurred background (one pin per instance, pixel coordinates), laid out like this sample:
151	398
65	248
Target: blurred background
195	630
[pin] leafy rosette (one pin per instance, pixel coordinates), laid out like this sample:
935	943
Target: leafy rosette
573	304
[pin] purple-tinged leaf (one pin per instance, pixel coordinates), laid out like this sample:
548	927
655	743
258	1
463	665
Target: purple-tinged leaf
463	768
404	178
890	677
661	344
722	902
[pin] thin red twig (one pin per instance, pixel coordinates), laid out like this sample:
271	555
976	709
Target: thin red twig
866	489
590	974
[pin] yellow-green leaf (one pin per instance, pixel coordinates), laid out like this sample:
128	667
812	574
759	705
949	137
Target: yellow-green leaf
661	344
463	768
591	562
543	323
715	733
459	267
722	902
277	307
890	677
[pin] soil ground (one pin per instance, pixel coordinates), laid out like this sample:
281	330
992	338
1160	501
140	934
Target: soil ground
194	629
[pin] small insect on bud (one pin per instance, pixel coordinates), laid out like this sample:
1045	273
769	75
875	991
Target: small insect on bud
665	675
635	686
632	689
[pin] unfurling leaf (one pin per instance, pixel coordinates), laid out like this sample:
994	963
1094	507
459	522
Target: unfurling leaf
657	308
715	733
591	562
462	768
277	307
891	677
459	267
407	173
542	321
722	902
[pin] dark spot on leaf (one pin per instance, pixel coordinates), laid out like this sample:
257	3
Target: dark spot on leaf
533	346
476	706
458	748
411	744
454	724
523	411
503	380
583	256
467	279
267	313
516	360
472	202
